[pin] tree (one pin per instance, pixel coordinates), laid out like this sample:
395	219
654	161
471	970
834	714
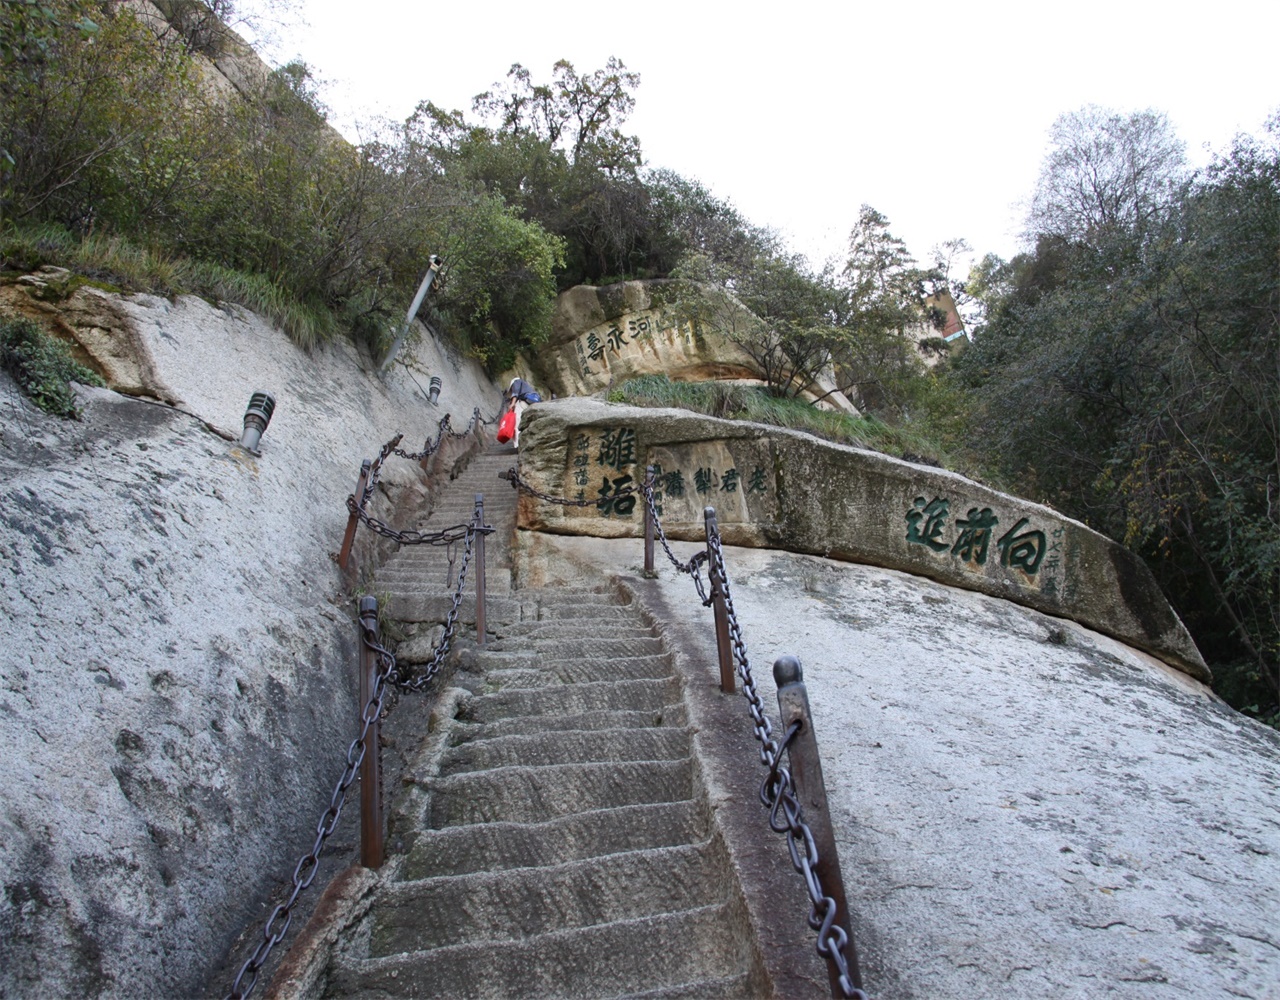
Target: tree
1105	170
1133	380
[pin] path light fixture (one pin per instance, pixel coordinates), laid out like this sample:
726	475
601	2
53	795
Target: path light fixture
256	418
433	390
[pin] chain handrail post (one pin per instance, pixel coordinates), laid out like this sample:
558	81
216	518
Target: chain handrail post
811	791
372	847
723	644
648	524
478	521
344	554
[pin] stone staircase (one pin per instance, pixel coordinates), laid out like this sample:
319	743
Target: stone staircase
559	839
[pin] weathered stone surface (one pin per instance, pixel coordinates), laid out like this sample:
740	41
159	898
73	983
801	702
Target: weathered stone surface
1024	808
788	490
177	678
95	324
605	334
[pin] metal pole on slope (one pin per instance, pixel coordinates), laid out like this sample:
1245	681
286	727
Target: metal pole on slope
648	527
344	554
427	279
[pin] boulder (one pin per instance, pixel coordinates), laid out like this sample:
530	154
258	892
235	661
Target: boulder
687	331
782	489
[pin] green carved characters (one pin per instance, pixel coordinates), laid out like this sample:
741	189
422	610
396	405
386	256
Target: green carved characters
1020	547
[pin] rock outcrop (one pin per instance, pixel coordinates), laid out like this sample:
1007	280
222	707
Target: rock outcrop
787	490
176	653
687	331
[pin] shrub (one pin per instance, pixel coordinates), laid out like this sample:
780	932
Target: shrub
43	367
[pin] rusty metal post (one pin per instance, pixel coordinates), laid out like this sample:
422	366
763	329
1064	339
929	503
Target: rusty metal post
372	848
344	554
723	645
478	520
648	527
811	791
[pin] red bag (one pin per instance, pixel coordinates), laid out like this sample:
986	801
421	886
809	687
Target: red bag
507	427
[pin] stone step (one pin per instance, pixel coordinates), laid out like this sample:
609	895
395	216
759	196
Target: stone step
457	850
535	794
608	696
705	989
600	644
497	584
596	606
438	576
434	607
567	747
582	671
668	715
538	631
526	902
616	959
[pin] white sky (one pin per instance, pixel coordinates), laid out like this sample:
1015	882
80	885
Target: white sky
936	114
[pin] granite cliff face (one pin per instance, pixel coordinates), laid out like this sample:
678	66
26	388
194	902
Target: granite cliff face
1025	806
177	653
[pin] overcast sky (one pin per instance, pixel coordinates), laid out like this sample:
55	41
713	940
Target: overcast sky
935	114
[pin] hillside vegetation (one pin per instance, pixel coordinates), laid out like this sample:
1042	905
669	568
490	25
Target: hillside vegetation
1125	369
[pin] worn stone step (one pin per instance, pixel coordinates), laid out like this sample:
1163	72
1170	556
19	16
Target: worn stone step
584	671
457	850
434	607
605	960
567	747
600	643
723	988
672	714
539	631
610	696
410	585
568	610
525	902
534	794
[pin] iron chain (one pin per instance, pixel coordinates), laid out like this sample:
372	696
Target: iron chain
777	791
430	447
277	925
645	489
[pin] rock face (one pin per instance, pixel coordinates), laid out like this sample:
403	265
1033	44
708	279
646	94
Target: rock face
1023	807
95	323
787	490
176	655
688	332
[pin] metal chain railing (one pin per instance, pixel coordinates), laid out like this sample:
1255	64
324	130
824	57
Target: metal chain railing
388	674
277	925
445	426
777	790
645	489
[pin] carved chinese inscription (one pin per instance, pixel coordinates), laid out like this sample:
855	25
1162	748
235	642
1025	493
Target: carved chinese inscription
1021	547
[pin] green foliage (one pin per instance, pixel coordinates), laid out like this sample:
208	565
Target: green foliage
43	367
744	402
1130	378
117	160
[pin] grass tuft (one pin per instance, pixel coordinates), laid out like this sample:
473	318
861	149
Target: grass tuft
754	403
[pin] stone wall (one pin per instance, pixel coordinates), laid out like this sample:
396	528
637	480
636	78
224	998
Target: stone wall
176	648
783	489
